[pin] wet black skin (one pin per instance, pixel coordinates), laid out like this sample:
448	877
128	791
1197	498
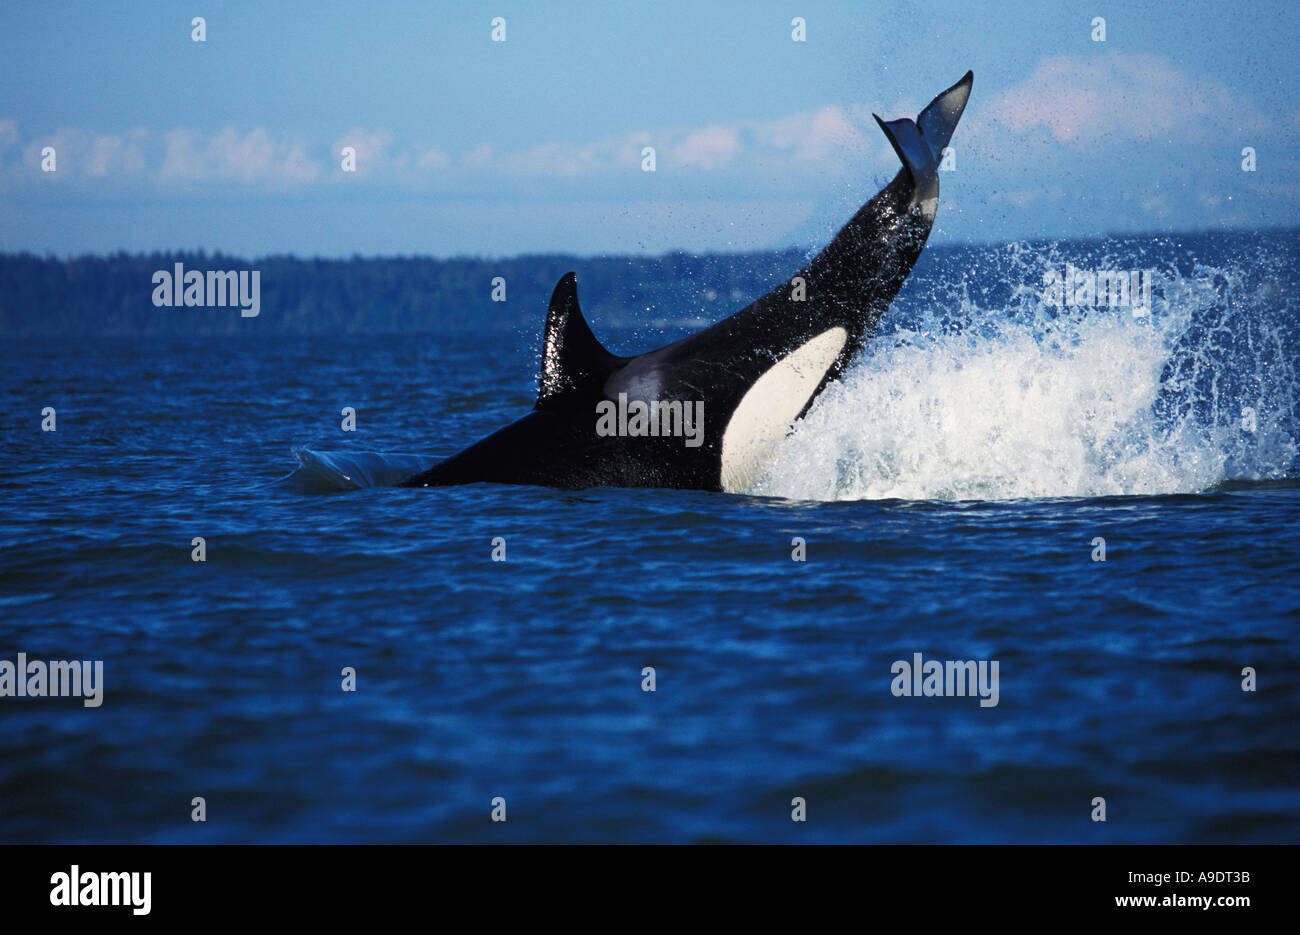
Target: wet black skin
849	284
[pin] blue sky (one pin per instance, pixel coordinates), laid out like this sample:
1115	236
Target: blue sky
469	146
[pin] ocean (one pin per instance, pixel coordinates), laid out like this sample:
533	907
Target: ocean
1103	502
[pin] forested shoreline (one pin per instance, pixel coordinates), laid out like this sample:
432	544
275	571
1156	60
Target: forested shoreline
114	294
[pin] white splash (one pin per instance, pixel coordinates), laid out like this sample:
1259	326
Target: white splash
1033	403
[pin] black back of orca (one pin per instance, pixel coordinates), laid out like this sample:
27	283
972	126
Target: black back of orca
753	373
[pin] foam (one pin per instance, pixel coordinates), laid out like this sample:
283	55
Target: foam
1029	400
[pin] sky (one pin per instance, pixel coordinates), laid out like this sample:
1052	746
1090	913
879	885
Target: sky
468	146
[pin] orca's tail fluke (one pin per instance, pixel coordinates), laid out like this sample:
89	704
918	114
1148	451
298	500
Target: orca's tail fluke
914	152
939	119
920	143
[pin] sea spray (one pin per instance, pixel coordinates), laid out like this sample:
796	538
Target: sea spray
962	401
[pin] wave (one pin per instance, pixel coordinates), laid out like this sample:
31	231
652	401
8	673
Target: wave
967	398
328	471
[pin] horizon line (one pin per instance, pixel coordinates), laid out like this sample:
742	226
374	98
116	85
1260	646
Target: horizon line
487	258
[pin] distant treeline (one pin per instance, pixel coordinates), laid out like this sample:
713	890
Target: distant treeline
113	294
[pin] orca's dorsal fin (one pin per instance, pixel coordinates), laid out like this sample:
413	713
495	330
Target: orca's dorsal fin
573	361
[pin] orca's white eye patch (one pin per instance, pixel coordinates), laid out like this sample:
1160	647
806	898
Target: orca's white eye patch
771	404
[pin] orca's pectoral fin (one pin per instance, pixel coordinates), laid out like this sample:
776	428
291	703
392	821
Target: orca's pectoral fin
572	359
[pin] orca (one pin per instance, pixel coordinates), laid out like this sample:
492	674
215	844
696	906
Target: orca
605	420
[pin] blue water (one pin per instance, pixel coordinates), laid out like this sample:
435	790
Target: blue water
949	494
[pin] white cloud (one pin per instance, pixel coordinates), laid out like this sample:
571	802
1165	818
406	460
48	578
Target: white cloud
824	138
814	136
106	154
175	156
477	158
1078	102
380	156
253	157
712	147
1119	97
557	159
798	145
